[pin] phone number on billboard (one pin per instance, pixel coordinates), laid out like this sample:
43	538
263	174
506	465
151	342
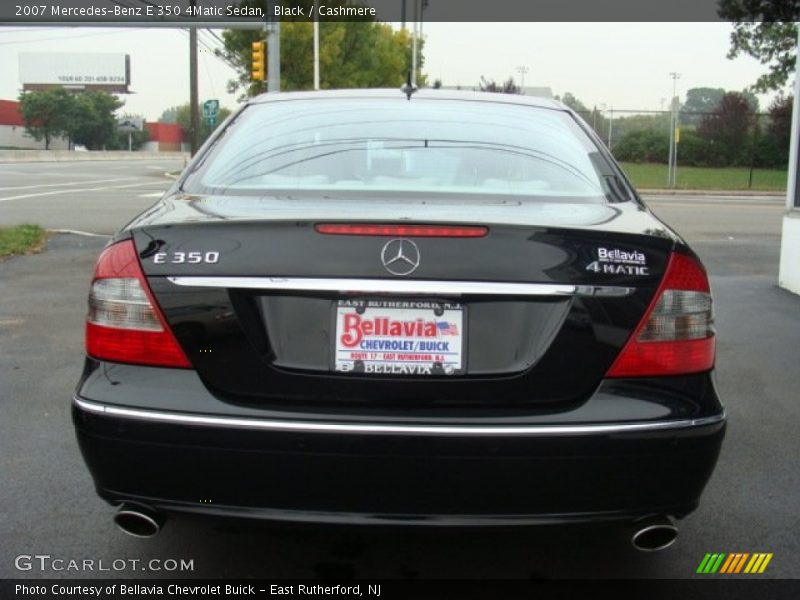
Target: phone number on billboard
90	79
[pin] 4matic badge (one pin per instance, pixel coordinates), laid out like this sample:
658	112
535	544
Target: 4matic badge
614	261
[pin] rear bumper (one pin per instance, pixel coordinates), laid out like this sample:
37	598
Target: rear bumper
385	472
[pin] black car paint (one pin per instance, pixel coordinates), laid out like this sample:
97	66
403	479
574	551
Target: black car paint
397	478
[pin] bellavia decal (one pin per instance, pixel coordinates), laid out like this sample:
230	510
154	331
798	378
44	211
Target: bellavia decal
613	261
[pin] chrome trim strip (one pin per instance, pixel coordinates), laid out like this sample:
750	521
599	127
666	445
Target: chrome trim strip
402	286
388	428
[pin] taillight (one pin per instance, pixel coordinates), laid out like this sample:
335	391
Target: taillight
676	334
124	322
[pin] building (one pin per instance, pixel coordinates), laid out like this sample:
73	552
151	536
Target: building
165	137
12	131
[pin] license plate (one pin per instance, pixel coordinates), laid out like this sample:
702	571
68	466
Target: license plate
399	337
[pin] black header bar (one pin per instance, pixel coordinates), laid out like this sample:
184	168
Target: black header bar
227	13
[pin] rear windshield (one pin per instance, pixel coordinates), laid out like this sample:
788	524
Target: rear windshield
394	145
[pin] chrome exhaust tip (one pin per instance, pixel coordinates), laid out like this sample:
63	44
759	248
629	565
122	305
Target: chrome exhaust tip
138	521
654	533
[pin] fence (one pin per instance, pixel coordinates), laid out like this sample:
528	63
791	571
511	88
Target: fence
751	142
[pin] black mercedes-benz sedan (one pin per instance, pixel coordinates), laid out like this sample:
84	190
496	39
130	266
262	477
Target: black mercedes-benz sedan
374	307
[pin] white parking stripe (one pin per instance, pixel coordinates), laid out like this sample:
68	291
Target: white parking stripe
78	232
153	195
42	185
56	192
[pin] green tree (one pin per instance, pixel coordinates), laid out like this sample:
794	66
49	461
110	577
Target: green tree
772	147
570	100
181	115
765	30
728	129
643	146
700	101
46	114
353	53
92	119
594	117
507	87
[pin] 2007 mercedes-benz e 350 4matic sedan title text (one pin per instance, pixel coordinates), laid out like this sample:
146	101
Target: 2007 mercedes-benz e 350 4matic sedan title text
358	306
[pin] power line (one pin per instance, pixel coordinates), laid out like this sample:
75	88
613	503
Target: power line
210	49
219	39
213	49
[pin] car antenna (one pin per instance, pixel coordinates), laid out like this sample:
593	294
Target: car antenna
408	88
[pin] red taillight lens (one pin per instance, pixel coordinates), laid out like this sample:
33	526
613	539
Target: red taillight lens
124	322
453	231
676	335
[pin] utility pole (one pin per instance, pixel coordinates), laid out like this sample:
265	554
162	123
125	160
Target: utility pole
789	273
673	125
194	116
610	125
522	70
414	44
403	14
316	44
675	133
273	52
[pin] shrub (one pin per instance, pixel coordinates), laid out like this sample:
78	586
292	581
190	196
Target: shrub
643	147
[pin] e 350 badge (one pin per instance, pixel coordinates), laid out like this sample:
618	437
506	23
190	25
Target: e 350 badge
613	261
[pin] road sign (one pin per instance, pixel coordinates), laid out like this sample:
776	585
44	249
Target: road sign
130	124
210	109
211	121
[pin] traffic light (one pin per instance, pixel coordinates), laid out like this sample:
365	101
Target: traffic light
259	61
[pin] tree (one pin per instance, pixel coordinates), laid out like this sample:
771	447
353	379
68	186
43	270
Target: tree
647	122
181	115
700	101
353	53
765	30
643	146
92	120
772	148
727	129
84	117
780	119
570	100
507	87
46	114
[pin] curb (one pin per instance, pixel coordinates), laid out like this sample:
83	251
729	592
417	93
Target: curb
743	193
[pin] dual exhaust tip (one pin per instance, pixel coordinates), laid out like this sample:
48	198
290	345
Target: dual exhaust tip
138	521
650	534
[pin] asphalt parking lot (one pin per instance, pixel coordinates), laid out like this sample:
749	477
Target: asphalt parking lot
48	505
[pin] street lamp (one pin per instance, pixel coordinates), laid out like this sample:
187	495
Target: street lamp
610	121
672	170
522	70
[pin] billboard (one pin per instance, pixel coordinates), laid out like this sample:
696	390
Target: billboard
77	71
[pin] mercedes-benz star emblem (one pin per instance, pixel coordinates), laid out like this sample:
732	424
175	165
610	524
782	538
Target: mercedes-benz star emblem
400	257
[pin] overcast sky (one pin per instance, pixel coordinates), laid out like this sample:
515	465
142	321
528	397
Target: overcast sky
621	65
